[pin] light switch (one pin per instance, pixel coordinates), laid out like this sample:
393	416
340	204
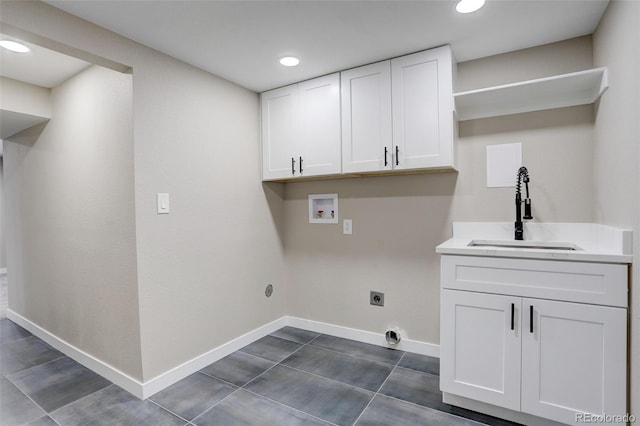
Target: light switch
347	227
163	203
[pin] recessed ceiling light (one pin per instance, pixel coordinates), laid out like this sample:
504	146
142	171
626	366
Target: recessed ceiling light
468	6
289	61
14	46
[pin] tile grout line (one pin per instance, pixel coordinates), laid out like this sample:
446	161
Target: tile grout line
357	355
83	397
255	378
169	411
439	411
243	387
302	345
417	371
292	408
362	356
329	378
43	364
48	413
29	398
310	343
380	388
237	388
280	364
341	352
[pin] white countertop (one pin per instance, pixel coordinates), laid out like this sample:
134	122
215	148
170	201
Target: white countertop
594	242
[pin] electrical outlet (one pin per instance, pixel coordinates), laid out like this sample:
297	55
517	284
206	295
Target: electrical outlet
376	298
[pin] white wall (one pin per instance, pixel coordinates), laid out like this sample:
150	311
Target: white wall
3	243
203	268
617	148
25	98
70	214
398	221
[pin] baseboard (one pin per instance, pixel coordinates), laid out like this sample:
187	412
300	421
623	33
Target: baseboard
198	363
378	339
107	371
164	380
150	387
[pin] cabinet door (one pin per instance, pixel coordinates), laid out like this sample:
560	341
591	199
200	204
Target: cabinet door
574	361
423	109
319	139
279	110
366	118
480	347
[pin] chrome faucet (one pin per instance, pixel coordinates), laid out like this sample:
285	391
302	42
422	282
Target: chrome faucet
523	176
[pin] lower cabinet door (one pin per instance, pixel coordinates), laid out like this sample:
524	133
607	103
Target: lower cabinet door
573	360
480	347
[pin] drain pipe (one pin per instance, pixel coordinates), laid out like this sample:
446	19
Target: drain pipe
392	336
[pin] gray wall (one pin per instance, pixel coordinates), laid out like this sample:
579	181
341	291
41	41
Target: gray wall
70	215
202	269
398	221
3	242
617	148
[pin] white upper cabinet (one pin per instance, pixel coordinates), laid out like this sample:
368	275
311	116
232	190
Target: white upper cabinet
319	136
391	115
366	118
279	130
422	94
301	129
398	114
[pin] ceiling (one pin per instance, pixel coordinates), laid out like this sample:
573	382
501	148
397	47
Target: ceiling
242	40
40	66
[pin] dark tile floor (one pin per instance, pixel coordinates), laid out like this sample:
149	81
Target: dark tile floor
291	377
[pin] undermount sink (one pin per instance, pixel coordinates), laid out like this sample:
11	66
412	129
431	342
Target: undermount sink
515	244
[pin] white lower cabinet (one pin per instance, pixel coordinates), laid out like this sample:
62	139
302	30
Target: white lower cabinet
480	354
573	359
556	360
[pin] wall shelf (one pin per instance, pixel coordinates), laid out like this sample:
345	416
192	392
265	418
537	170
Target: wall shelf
323	208
12	122
578	88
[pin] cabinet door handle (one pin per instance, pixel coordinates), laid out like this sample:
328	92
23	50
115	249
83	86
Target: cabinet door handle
300	165
386	163
293	166
530	318
397	152
513	311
